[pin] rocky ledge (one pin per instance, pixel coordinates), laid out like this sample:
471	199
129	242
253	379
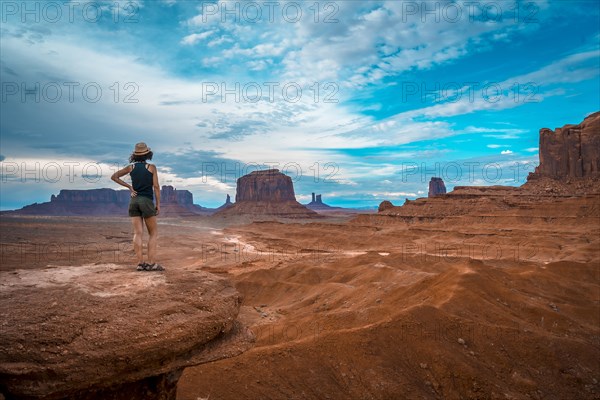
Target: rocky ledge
107	331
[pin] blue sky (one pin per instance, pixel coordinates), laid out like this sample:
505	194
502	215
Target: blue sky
361	101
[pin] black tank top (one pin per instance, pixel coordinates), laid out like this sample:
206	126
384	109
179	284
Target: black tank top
141	180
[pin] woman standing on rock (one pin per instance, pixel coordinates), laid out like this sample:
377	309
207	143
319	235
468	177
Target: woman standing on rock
144	181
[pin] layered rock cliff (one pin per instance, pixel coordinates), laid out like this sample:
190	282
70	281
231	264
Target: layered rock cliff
570	152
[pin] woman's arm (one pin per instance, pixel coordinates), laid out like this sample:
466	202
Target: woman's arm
156	187
117	178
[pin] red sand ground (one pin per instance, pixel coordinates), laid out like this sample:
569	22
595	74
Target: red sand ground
371	310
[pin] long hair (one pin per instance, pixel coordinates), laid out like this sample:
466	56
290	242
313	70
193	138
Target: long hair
145	157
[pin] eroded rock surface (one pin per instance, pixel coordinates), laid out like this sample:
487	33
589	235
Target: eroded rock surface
108	331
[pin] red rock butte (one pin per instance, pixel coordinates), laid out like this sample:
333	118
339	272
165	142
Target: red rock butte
436	187
266	193
268	185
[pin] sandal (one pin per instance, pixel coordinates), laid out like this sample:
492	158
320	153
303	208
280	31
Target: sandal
154	267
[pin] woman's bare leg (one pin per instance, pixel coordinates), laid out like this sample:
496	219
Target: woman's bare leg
138	231
153	232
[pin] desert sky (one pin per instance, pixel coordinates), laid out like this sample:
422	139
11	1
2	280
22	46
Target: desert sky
361	101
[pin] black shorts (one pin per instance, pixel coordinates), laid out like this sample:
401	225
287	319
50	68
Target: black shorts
140	206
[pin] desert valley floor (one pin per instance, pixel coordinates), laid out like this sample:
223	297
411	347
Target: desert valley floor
367	307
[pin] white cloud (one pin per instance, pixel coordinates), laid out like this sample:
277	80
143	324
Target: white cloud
571	68
259	65
196	37
170	112
219	41
368	42
395	131
371	44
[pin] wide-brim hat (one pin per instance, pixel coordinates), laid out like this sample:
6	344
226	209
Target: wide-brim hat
141	149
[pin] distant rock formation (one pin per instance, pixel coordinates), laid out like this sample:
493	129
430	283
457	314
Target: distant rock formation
105	201
91	196
225	205
170	195
317	204
568	176
268	185
316	199
570	152
266	192
385	205
436	187
179	203
91	202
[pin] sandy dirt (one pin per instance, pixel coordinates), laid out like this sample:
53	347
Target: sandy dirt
432	310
